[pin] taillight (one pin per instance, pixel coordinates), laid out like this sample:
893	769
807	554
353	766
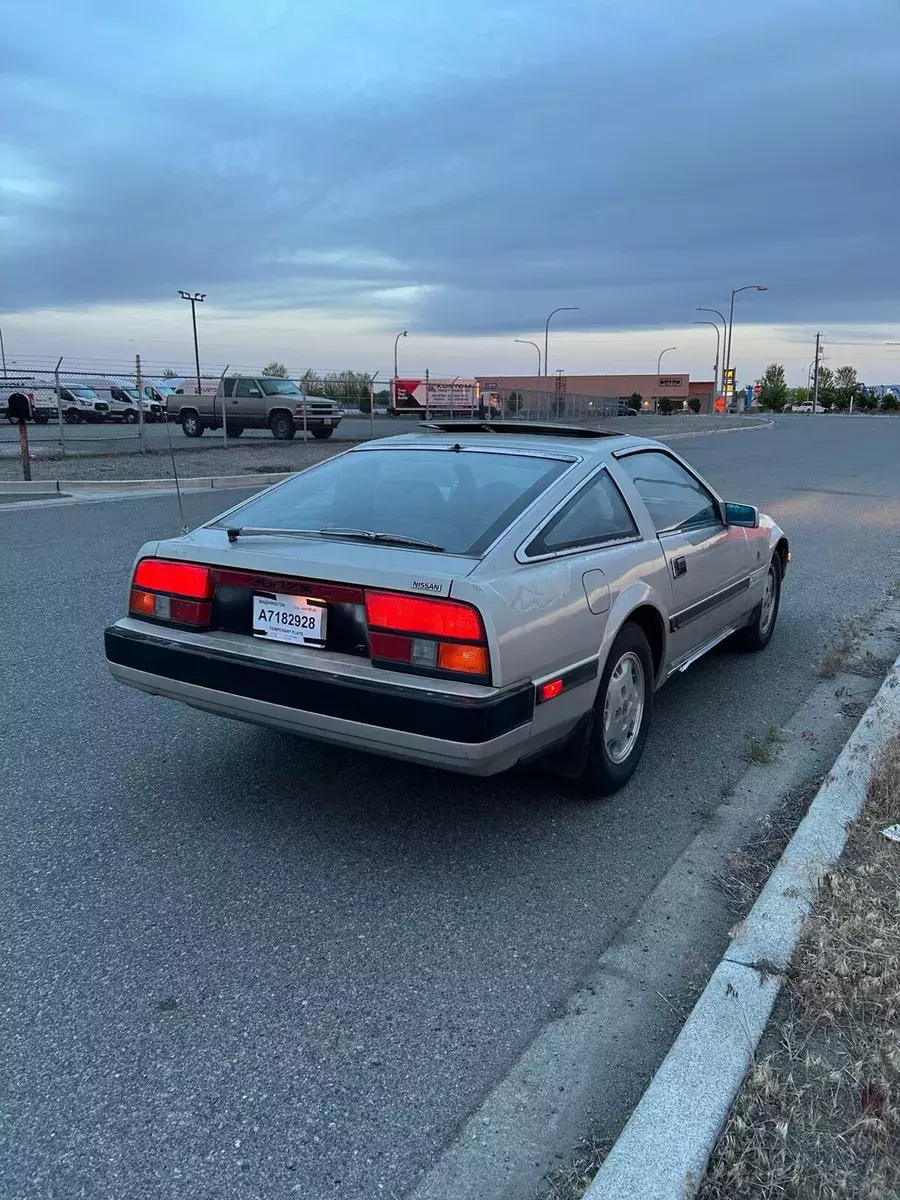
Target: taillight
174	592
440	636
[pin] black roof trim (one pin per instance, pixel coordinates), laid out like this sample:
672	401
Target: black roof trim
547	429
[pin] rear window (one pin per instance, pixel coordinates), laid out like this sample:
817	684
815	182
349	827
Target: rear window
459	500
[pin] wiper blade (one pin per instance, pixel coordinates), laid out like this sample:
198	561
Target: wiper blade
388	539
253	531
363	535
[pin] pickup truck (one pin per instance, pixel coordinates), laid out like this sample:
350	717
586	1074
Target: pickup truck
254	402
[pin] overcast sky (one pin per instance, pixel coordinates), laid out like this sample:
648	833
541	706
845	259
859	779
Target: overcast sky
332	173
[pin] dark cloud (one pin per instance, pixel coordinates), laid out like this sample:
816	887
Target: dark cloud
633	176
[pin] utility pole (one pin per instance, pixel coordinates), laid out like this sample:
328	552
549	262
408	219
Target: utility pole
816	384
2	353
195	299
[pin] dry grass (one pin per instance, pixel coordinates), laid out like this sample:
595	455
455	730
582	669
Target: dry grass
845	648
572	1181
818	1117
748	868
765	749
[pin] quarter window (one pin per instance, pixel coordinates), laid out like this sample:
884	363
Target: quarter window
674	498
595	515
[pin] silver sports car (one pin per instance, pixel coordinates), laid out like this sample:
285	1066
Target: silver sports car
469	596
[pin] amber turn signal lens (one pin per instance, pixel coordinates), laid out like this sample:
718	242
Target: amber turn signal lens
142	603
472	660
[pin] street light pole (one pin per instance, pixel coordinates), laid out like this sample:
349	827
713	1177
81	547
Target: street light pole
195	299
750	287
524	342
396	340
721	317
715	326
659	360
566	308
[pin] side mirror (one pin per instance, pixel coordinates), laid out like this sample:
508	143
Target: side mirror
744	515
254	391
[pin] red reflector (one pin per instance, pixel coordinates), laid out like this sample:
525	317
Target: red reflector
390	646
175	578
547	691
412	614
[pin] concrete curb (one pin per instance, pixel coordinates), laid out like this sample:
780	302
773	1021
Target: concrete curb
664	1148
95	486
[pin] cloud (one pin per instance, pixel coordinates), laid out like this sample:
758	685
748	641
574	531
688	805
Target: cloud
470	170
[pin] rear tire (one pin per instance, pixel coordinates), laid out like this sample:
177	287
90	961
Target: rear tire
321	431
71	416
130	416
41	418
191	425
621	717
757	635
234	431
283	426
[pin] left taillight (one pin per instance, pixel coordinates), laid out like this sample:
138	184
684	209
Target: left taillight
174	592
441	637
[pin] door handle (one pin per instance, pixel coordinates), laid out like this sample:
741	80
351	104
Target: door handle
679	566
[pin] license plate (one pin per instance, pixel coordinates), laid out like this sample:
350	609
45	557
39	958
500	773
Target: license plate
297	619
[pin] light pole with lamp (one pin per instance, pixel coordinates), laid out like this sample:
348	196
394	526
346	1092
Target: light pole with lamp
565	308
396	341
750	287
659	368
721	316
714	325
195	299
524	342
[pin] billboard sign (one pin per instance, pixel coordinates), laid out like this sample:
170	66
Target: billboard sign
434	395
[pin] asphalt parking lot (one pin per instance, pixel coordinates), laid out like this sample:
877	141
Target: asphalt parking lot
238	965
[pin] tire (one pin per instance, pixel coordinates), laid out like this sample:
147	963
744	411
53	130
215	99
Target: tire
72	416
129	416
234	431
41	418
191	425
282	425
757	635
321	431
611	760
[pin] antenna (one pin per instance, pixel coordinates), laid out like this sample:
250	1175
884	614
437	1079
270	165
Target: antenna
184	527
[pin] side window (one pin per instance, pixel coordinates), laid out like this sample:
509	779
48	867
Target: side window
228	387
674	498
594	515
244	387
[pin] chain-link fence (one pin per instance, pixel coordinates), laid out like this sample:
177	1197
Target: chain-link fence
551	404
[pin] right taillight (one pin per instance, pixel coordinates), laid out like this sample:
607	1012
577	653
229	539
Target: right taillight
429	635
173	592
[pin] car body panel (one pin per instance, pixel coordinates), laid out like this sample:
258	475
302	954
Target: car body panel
551	617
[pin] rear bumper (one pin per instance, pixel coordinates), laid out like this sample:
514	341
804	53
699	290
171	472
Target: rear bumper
475	735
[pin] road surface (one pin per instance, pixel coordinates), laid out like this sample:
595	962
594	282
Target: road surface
239	965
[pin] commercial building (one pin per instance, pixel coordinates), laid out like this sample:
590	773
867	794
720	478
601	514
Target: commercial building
678	388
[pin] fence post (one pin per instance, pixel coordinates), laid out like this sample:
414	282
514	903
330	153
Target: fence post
221	388
303	402
142	431
372	405
62	432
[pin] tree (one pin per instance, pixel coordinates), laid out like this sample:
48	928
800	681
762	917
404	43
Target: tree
694	404
846	386
168	373
275	370
827	394
773	394
889	402
635	400
664	406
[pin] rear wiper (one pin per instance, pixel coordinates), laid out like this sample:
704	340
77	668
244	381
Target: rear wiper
388	539
364	535
251	531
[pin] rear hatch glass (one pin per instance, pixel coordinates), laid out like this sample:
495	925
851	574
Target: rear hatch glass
453	501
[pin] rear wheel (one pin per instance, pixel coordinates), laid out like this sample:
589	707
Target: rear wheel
72	416
757	635
191	424
621	717
41	418
283	426
130	416
234	431
321	431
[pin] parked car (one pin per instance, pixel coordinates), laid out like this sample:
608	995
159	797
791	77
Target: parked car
625	410
81	404
41	398
255	402
806	408
464	598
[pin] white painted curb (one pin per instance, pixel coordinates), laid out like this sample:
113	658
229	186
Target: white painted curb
664	1148
96	486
